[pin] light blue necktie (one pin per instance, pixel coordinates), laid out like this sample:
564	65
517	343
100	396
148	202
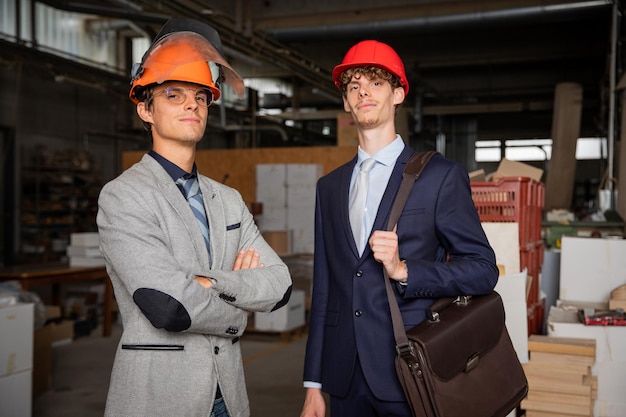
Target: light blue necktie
358	198
191	188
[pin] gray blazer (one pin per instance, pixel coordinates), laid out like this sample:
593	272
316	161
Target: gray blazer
179	338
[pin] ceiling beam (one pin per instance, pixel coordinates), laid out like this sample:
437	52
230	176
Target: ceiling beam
428	13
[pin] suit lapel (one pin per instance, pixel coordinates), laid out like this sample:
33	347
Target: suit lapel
380	223
344	203
180	206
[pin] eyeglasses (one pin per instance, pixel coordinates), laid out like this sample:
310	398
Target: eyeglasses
178	95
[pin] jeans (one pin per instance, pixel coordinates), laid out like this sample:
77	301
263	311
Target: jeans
219	409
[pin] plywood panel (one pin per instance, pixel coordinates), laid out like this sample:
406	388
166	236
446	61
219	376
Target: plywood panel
560	178
620	168
237	167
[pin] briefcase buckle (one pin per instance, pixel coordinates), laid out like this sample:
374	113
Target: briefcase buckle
406	351
463	299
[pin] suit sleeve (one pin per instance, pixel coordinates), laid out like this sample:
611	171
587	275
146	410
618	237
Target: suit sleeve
315	341
459	257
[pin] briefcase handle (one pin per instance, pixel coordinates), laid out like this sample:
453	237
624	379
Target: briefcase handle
443	303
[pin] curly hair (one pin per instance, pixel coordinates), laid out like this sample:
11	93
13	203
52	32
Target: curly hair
371	72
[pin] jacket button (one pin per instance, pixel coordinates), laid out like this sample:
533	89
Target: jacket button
216	349
359	274
358	313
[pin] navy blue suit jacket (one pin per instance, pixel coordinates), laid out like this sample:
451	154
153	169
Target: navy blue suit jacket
350	315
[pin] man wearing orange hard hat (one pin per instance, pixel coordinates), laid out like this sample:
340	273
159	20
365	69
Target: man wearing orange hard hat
184	255
437	249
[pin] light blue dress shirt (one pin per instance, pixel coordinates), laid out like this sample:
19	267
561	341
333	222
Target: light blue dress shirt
378	179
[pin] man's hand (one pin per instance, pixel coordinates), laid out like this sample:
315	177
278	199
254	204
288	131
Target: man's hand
246	259
385	247
314	404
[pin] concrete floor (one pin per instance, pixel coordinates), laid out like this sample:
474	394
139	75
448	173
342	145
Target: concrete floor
81	372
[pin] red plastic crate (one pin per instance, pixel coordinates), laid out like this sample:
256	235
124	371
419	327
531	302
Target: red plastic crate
518	200
512	199
531	258
535	318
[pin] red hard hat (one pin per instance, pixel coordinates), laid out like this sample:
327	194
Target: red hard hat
372	53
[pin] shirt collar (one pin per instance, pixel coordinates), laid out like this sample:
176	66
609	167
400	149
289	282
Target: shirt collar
386	156
171	168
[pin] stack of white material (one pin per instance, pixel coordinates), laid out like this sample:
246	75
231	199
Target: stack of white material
84	250
16	359
287	192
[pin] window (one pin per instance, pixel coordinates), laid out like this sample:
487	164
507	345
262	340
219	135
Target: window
535	149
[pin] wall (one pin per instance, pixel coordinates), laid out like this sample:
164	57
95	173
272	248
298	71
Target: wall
237	167
62	116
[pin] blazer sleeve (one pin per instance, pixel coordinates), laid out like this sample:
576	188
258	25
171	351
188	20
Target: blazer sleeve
260	289
150	259
459	259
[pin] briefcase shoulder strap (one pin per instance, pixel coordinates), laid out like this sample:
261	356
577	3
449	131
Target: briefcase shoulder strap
412	171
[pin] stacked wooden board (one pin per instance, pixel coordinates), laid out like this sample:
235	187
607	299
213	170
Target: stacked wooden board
560	383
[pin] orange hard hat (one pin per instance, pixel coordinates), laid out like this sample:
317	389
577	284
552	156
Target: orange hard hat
372	53
183	51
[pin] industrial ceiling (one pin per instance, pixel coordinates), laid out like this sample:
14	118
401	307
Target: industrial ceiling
495	61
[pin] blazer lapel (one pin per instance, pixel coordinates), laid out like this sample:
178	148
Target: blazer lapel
214	207
180	206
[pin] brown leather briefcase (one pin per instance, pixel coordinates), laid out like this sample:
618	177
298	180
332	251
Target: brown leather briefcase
461	362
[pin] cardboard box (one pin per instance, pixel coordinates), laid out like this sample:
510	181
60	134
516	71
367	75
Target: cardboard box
272	218
16	338
512	289
89	251
42	360
270	185
278	240
504	239
89	239
287	192
15	394
591	268
301	224
304	174
62	332
508	168
289	317
52	312
478	176
87	261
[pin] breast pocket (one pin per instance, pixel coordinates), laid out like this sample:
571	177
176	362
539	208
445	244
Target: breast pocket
233	227
413	212
411	219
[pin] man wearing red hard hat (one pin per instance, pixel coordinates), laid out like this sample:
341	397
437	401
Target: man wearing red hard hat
438	248
184	255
